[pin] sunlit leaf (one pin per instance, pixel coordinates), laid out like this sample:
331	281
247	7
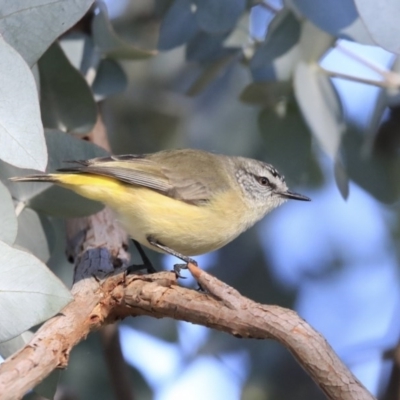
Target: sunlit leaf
29	292
320	106
8	225
381	20
111	45
21	131
218	16
80	50
336	17
66	100
48	198
314	43
178	25
32	26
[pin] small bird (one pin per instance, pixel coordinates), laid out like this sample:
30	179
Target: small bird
183	202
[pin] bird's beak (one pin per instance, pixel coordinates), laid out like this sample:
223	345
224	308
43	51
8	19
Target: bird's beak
294	196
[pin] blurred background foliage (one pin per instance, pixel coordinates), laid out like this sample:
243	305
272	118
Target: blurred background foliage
309	86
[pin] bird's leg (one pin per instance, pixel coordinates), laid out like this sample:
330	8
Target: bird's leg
166	249
146	262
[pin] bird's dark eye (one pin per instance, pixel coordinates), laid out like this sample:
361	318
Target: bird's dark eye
262	180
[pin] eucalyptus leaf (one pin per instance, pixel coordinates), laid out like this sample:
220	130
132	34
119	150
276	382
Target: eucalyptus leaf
80	50
46	197
218	16
377	174
66	101
266	93
32	26
287	140
8	219
341	178
204	47
21	131
336	17
9	347
32	235
314	43
58	201
110	79
29	292
211	72
382	22
283	34
320	105
178	25
110	44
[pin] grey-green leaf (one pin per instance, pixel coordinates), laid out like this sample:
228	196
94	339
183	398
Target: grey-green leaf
66	100
49	198
11	346
110	44
218	16
32	26
32	234
336	17
381	19
178	25
29	292
320	106
8	219
283	34
110	79
21	131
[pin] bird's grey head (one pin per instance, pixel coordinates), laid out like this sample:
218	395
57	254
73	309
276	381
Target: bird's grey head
263	186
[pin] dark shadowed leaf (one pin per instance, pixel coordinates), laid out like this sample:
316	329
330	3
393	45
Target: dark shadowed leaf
377	174
21	130
23	22
287	140
341	178
110	79
178	25
320	105
29	292
266	93
204	47
110	44
283	34
382	22
8	225
66	100
212	72
218	16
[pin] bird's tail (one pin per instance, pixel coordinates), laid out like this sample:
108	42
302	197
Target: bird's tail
36	178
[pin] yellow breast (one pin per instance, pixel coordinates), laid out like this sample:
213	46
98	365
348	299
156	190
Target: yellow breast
186	228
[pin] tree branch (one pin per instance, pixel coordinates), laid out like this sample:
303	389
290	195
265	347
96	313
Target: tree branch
109	296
